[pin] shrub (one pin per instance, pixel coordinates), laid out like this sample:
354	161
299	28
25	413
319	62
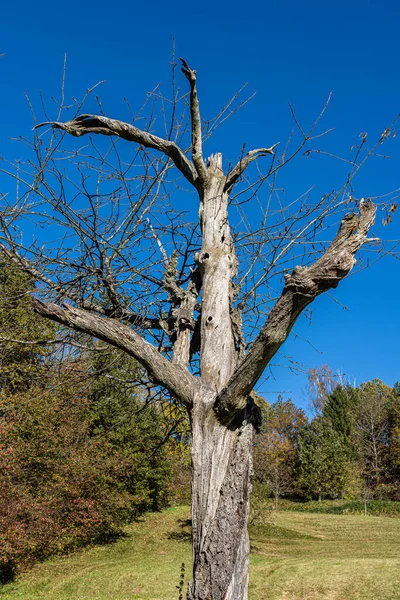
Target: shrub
64	484
374	507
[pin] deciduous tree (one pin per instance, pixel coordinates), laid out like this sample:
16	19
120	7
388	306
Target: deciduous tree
195	303
394	438
321	383
275	453
80	453
371	431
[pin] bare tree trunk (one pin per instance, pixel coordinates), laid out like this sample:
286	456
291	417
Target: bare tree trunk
221	453
218	400
276	501
222	464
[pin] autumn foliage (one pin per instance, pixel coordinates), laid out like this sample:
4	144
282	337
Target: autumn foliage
63	484
79	455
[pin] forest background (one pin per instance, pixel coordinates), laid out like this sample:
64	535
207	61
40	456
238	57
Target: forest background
83	450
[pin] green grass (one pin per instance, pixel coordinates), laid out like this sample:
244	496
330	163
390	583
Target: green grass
296	556
321	556
144	565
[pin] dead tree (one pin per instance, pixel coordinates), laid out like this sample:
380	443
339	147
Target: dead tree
122	265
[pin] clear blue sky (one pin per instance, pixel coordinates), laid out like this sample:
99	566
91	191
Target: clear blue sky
288	51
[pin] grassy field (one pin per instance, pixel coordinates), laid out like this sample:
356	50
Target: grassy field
298	556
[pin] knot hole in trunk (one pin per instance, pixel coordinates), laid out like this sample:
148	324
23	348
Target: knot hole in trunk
204	256
209	320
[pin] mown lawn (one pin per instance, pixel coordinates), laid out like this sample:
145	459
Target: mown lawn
298	556
330	557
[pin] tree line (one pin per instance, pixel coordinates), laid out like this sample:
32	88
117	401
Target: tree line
350	449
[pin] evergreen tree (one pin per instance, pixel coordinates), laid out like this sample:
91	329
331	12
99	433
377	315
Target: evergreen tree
324	467
339	409
20	362
132	431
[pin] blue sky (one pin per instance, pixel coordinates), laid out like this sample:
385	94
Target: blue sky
287	51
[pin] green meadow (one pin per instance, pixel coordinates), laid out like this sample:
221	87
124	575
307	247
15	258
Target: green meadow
294	556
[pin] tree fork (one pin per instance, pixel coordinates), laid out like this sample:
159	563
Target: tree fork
222	413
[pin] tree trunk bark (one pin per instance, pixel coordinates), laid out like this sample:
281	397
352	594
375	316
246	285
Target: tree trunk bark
221	452
221	467
218	401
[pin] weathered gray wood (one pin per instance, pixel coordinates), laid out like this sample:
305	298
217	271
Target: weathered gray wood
301	288
175	378
221	455
184	323
217	264
220	408
222	465
85	124
242	165
197	148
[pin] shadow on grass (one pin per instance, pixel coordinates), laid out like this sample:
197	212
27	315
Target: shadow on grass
185	533
263	533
